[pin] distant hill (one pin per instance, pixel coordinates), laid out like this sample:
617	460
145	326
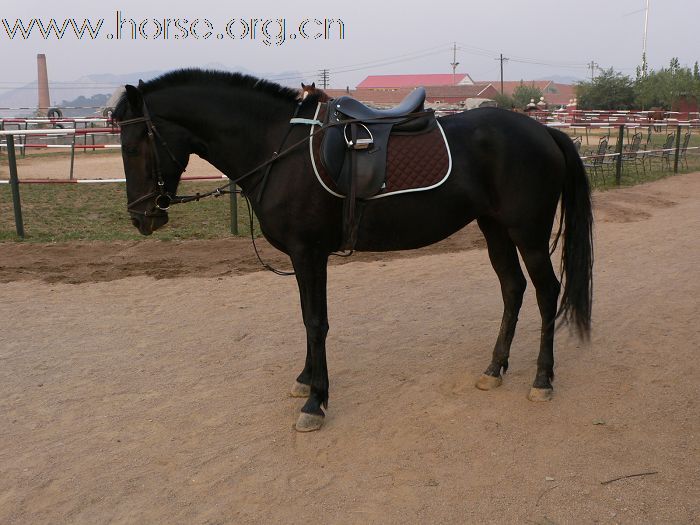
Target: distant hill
86	86
65	93
87	105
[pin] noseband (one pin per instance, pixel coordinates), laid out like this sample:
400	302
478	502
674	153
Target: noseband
163	199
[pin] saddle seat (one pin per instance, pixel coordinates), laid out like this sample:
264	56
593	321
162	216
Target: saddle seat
357	110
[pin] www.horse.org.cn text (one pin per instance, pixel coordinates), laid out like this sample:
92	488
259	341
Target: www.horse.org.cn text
268	31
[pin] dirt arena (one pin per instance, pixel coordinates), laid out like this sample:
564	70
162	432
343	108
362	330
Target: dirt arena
130	397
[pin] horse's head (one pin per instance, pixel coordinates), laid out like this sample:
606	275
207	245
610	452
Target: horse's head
310	90
307	89
155	153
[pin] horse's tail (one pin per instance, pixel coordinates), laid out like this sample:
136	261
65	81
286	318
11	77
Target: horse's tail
577	247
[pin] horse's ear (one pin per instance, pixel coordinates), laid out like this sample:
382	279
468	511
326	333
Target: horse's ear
313	84
133	96
303	86
141	83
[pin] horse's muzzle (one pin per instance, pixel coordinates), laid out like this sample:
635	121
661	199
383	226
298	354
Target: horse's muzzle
147	224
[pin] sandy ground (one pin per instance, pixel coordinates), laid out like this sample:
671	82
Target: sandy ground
131	399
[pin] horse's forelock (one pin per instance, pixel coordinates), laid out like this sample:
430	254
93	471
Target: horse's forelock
120	107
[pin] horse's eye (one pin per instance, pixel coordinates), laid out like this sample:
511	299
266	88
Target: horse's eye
131	150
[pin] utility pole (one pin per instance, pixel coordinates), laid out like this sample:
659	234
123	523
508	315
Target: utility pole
593	66
324	78
454	63
502	59
644	47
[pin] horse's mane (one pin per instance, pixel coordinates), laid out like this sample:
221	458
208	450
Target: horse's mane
188	76
192	76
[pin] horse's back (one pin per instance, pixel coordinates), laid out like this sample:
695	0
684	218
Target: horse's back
503	165
484	132
510	160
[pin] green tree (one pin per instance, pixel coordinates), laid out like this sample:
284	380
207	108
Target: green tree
609	90
524	93
504	101
662	88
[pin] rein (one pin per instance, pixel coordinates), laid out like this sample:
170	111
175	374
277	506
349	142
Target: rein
163	200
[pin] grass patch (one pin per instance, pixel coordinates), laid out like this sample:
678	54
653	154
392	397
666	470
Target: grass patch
654	169
97	212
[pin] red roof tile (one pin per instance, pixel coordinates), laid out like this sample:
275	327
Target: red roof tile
380	97
459	92
562	94
509	86
404	81
391	97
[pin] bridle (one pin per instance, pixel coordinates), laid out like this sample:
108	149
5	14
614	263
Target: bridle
163	200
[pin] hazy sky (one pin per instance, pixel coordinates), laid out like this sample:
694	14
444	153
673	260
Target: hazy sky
543	38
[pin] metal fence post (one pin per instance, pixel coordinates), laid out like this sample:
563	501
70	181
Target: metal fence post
14	183
23	139
233	205
678	148
618	150
72	157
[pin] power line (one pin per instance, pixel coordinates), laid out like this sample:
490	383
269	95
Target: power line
474	50
387	63
409	56
372	64
539	62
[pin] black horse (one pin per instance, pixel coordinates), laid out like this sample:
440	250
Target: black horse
508	172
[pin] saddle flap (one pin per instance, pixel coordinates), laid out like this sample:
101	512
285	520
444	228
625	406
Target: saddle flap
333	151
369	163
354	147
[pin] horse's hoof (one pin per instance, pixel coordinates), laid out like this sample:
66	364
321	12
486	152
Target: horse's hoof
300	390
487	382
309	422
540	394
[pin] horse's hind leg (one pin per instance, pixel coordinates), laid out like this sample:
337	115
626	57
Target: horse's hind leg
504	259
539	267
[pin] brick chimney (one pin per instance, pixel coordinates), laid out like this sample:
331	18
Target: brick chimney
43	85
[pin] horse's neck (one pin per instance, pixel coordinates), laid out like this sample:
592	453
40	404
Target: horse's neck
243	135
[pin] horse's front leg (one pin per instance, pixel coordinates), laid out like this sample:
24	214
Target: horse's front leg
311	274
302	386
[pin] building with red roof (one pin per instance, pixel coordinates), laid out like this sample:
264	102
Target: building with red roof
554	93
412	81
442	96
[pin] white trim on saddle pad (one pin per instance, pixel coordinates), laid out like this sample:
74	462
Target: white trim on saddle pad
311	153
320	180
